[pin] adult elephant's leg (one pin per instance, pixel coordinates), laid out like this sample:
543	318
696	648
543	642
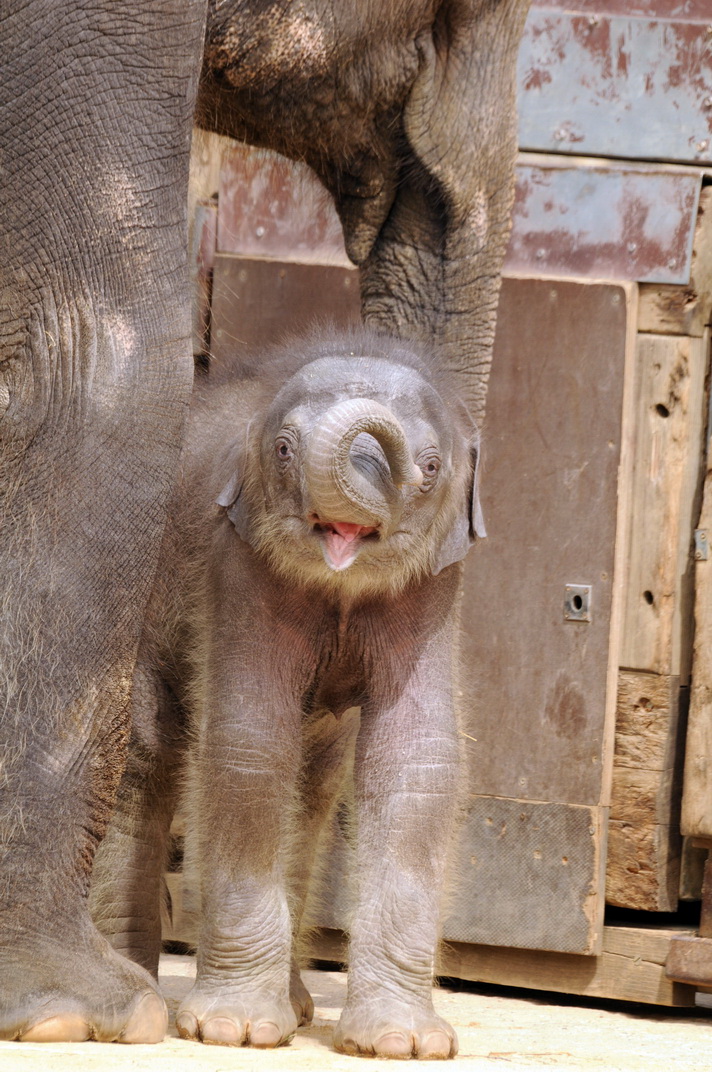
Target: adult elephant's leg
95	112
407	113
434	268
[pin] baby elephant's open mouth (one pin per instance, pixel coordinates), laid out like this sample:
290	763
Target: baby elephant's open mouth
341	541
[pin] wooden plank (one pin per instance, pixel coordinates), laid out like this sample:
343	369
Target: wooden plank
644	845
669	442
697	788
690	960
684	310
631	966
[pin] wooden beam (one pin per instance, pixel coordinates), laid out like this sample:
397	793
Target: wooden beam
644	844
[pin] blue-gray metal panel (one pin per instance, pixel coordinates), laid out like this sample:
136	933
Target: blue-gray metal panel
680	10
604	221
635	88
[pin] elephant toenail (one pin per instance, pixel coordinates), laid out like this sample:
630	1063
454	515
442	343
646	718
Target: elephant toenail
221	1031
69	1028
148	1022
436	1044
265	1035
395	1044
187	1025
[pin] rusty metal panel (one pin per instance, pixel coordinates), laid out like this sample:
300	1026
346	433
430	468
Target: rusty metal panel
680	10
603	220
639	88
583	218
271	207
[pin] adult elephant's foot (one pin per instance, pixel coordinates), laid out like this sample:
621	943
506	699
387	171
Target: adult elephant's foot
76	989
393	1029
217	1015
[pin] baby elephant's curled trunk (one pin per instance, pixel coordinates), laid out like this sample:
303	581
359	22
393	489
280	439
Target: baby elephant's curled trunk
338	489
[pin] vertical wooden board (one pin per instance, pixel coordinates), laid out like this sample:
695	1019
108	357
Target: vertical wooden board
669	439
256	302
697	786
535	684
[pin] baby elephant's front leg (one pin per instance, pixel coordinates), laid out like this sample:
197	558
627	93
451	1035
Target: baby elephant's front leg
405	779
243	783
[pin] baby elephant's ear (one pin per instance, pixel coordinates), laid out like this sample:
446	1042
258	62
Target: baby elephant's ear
231	496
469	523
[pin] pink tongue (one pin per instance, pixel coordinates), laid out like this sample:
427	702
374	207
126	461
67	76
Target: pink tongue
349	531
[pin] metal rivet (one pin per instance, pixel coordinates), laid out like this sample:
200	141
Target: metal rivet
702	547
701	146
259	232
632	246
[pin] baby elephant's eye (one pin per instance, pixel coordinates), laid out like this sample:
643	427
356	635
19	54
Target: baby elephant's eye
284	449
429	464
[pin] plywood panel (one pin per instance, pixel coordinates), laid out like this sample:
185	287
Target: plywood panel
535	683
256	302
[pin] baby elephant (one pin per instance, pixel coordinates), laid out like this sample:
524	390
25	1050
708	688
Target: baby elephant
309	570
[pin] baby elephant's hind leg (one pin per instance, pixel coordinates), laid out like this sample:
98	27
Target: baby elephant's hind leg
128	886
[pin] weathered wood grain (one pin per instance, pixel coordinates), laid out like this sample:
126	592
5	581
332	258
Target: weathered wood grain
669	444
644	844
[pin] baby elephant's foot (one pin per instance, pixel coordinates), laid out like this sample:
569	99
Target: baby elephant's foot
394	1030
220	1017
300	998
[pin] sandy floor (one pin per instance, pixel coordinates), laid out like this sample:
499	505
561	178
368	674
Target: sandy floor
499	1029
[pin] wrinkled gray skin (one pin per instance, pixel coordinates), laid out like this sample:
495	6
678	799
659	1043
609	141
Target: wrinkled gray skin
309	566
406	111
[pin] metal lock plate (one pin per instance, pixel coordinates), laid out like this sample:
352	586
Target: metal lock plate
577	603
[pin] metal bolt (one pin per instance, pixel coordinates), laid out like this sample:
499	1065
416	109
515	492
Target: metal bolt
707	102
259	232
539	254
701	146
593	22
632	246
672	263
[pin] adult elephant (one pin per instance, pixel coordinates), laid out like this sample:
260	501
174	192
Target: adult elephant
406	112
